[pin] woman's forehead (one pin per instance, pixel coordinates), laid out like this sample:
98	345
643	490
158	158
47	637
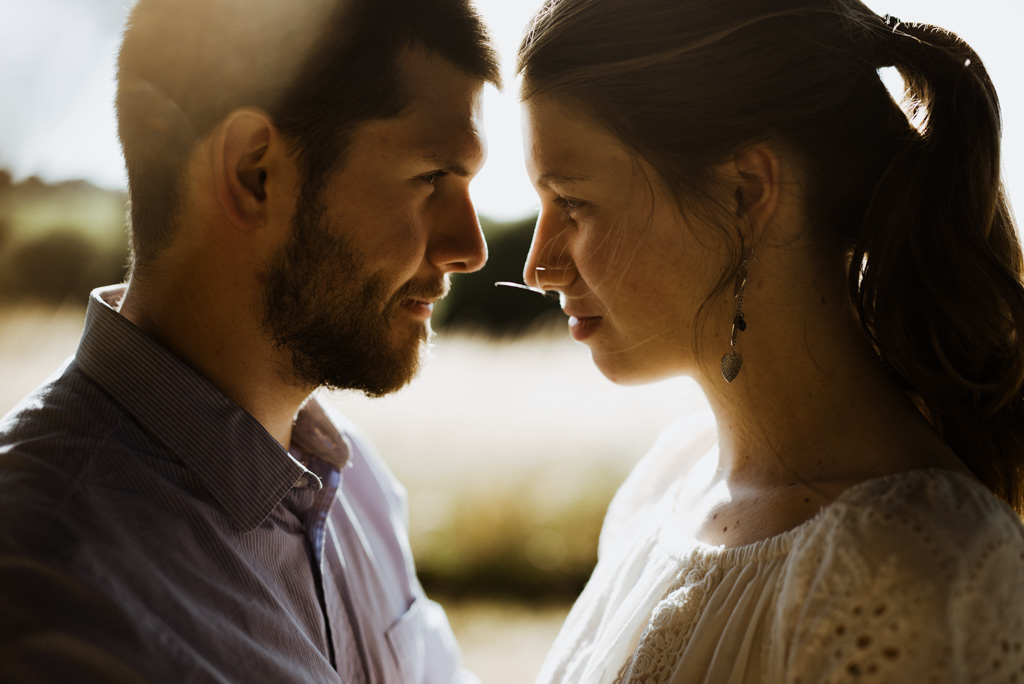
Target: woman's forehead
564	146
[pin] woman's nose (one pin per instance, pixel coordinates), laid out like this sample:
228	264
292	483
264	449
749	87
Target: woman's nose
549	265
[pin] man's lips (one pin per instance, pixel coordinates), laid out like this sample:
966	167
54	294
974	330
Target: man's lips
419	298
418	307
426	293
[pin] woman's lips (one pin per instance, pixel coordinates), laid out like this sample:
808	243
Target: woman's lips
582	327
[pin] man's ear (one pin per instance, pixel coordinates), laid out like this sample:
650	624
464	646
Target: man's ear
241	165
755	178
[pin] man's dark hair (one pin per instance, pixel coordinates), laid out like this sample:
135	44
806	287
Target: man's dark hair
318	67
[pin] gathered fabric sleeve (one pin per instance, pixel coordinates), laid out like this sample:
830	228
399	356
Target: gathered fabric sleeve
919	579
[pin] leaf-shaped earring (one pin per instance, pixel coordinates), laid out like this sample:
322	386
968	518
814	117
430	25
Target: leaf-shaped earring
733	361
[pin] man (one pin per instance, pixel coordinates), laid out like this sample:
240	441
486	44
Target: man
173	506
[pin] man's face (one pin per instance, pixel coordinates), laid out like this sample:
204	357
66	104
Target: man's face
350	295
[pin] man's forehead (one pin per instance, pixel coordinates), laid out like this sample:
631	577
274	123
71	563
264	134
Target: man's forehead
430	81
429	139
459	150
443	115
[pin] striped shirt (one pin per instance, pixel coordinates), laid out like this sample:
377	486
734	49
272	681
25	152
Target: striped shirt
151	530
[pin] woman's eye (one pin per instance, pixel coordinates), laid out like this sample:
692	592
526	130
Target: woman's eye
569	205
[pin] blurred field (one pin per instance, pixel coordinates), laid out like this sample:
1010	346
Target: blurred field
510	451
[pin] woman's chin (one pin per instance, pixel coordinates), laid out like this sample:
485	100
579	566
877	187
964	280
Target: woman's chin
628	372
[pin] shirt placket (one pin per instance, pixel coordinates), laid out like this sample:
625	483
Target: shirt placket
343	632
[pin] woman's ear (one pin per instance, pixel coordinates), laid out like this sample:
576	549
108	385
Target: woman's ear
241	166
755	176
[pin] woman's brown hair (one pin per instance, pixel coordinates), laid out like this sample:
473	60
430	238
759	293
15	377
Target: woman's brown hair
911	198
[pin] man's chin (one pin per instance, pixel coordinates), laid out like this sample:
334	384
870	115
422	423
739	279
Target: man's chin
407	358
380	371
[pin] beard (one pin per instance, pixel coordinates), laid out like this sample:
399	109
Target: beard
335	323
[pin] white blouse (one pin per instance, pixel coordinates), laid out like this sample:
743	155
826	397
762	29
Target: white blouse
915	577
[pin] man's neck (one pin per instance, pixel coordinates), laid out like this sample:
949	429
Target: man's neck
218	333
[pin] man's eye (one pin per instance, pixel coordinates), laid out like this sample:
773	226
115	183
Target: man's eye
434	176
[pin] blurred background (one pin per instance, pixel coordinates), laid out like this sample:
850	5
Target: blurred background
510	443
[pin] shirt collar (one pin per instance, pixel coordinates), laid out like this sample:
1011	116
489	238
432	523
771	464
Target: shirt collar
245	469
314	434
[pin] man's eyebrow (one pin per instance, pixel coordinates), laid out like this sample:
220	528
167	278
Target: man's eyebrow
447	164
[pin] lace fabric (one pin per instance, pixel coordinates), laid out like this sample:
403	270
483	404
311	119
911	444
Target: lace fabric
670	629
920	578
917	577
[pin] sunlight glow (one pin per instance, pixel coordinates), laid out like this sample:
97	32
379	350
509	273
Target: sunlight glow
56	115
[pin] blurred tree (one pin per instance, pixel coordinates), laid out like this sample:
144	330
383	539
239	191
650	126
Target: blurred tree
476	303
59	266
59	241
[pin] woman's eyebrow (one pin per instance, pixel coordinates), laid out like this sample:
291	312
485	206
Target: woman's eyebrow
560	179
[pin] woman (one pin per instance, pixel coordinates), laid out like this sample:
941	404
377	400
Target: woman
730	192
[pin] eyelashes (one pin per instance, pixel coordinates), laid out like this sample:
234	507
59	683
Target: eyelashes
433	177
568	205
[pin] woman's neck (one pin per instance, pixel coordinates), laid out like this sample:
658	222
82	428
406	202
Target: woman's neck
812	399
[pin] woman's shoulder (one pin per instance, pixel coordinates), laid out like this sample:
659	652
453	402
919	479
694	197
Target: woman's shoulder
678	446
917	567
934	508
935	523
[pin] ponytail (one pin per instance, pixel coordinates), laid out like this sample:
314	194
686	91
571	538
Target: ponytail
936	270
912	200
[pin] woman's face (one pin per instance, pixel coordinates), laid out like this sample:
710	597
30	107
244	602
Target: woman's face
610	239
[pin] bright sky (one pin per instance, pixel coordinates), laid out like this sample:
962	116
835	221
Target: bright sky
57	66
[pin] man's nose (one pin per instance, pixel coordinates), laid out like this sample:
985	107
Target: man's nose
458	246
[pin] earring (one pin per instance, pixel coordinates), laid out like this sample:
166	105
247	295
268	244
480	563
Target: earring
733	361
